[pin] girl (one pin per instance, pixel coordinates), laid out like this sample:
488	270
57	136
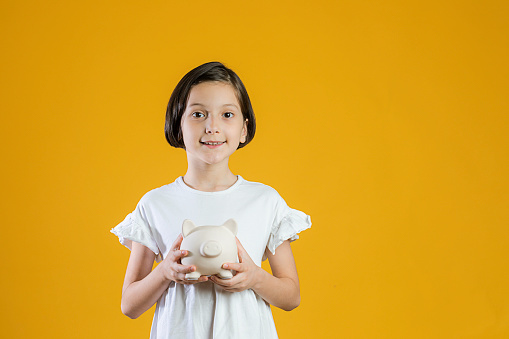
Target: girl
210	116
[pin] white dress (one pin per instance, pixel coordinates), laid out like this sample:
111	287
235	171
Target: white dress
203	310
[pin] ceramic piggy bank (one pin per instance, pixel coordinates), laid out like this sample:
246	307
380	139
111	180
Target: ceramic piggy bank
209	248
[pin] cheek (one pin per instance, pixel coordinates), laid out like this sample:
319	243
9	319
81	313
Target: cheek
186	133
186	129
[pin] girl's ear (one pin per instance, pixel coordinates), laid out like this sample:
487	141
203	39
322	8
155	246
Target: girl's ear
243	135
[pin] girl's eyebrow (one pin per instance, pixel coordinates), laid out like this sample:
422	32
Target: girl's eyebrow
198	104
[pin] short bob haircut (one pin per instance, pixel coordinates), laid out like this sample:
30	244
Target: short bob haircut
211	71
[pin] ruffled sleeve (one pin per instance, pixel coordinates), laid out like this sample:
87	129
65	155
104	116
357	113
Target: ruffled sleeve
131	230
287	226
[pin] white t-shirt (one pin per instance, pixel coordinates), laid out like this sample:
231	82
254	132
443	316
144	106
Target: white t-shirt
203	310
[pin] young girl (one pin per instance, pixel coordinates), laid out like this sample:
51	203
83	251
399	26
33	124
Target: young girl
210	116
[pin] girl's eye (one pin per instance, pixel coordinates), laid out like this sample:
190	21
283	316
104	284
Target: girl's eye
228	115
198	114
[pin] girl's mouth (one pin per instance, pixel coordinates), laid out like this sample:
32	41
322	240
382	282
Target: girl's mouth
212	144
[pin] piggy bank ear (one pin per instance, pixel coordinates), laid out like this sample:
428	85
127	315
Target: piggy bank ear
231	225
187	227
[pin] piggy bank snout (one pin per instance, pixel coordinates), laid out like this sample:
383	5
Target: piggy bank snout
210	249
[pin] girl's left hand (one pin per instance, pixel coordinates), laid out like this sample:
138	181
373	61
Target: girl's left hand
247	272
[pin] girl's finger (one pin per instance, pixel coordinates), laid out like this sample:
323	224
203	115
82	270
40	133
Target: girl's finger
224	282
233	266
181	269
178	254
189	269
240	250
239	245
177	242
217	281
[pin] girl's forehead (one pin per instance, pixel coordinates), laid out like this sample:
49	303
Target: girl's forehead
213	93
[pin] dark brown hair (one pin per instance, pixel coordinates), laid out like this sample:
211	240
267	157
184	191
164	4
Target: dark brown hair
211	71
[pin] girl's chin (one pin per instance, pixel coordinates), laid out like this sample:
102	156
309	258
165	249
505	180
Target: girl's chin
208	156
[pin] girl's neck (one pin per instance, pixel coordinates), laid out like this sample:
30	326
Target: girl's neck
209	179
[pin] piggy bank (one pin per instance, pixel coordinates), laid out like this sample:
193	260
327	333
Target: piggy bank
209	248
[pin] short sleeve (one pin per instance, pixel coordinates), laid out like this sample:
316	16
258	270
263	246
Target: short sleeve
135	229
286	226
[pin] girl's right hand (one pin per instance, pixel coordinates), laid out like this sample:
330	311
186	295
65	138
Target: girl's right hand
172	267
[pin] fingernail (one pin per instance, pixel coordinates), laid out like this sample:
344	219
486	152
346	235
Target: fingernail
225	266
183	252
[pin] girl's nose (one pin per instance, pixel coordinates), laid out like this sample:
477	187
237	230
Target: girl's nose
211	127
211	130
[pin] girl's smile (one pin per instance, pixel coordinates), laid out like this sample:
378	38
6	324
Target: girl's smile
212	124
213	144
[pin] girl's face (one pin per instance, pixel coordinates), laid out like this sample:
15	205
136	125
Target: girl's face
212	123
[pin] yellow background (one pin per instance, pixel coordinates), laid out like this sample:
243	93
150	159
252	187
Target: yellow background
387	122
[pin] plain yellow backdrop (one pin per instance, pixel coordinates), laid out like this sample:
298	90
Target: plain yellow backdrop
387	122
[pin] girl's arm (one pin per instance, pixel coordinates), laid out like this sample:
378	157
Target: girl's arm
280	289
144	286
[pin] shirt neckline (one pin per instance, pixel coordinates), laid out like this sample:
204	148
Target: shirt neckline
180	182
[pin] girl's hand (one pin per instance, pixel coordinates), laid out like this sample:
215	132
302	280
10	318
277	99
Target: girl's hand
247	273
172	267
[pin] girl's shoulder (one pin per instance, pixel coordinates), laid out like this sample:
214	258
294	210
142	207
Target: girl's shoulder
158	193
259	188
